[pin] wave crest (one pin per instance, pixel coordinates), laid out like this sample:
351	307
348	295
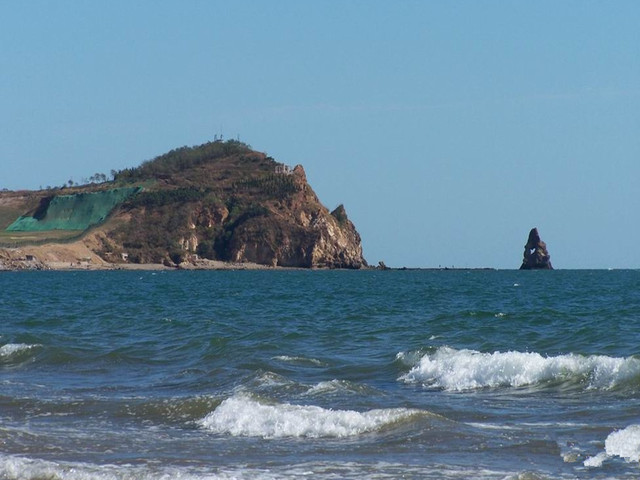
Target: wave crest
15	351
298	360
241	415
334	387
460	370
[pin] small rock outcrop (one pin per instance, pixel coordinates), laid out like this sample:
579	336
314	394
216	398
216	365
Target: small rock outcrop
536	256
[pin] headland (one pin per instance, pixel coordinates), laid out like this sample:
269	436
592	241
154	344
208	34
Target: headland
220	205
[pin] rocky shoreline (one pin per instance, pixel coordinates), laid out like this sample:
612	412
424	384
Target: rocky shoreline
74	258
57	257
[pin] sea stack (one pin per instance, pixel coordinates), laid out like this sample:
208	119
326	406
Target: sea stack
536	256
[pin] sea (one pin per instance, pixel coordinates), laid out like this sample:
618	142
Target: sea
399	374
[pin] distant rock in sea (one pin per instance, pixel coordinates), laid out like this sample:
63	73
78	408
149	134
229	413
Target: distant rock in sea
536	256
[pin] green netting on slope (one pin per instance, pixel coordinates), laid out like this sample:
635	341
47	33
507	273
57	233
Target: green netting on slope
74	212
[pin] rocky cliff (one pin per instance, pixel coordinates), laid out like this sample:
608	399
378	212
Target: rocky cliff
219	201
536	256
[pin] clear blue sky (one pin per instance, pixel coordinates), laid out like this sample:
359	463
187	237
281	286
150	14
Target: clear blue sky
447	128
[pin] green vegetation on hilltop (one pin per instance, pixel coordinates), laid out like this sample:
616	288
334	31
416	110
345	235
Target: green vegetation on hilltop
181	159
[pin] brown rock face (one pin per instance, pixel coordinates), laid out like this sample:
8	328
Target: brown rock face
536	256
279	242
303	233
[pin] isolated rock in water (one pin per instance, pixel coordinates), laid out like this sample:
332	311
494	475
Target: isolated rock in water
535	253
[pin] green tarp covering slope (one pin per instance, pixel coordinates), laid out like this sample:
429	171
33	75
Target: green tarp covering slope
73	212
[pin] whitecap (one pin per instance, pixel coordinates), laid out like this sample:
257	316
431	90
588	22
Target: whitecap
11	349
241	415
409	358
623	443
300	360
270	380
328	387
266	381
596	461
460	370
491	426
339	386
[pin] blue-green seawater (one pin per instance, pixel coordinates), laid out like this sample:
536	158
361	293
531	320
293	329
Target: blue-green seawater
320	374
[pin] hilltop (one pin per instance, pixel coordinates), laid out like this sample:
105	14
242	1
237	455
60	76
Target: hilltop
191	207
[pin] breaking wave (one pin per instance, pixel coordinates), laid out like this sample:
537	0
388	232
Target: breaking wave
241	415
14	348
461	370
15	351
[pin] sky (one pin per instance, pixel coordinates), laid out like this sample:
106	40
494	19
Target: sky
448	129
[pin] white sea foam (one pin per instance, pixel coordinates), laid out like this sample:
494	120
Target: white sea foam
338	386
492	426
270	380
328	387
241	415
409	358
14	467
300	360
623	443
596	461
459	370
11	349
22	468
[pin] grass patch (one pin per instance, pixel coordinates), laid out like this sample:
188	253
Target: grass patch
20	239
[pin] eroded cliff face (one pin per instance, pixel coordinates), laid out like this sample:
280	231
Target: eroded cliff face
280	241
298	232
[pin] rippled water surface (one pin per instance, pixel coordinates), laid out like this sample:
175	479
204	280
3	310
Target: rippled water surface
322	374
